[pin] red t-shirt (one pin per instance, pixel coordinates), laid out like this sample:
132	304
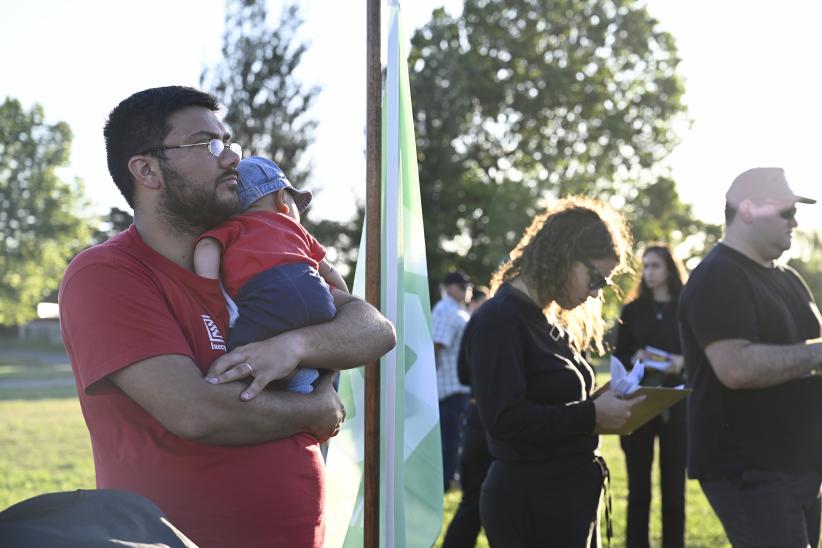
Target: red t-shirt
122	302
256	241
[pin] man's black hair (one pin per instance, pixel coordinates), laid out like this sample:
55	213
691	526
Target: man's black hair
730	214
457	277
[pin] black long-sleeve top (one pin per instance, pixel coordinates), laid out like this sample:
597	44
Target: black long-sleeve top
645	322
532	389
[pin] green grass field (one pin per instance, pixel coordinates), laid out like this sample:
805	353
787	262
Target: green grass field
45	448
45	444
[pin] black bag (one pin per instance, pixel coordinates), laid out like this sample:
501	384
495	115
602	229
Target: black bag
88	519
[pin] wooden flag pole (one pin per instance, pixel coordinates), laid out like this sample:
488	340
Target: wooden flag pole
373	220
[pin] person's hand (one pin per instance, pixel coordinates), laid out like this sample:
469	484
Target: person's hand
331	412
641	354
612	412
264	361
677	364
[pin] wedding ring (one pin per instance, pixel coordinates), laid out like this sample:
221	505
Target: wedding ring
250	369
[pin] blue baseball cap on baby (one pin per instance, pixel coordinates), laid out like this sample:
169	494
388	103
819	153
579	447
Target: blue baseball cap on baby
260	176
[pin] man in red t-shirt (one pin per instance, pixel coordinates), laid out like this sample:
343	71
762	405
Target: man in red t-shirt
142	329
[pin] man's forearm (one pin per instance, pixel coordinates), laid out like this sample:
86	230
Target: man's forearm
775	364
272	415
173	391
745	365
358	334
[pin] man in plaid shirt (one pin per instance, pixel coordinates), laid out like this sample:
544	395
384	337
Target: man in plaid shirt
448	320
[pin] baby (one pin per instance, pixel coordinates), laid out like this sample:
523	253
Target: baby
269	264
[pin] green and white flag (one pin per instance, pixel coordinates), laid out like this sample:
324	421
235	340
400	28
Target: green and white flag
411	492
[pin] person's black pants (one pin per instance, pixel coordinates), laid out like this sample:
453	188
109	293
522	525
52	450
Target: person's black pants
474	463
542	504
639	458
761	508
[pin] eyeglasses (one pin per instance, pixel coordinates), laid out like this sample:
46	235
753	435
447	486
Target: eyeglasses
215	146
597	280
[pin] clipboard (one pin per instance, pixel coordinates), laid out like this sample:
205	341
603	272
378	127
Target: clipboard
657	399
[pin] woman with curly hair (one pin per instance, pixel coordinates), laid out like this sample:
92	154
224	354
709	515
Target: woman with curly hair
649	320
533	385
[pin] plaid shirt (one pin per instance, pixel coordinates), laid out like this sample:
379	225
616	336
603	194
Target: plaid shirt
448	321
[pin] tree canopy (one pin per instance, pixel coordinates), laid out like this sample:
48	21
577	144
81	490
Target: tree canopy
809	264
518	101
112	223
266	106
38	221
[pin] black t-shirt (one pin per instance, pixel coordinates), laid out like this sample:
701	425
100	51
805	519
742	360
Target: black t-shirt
778	428
533	391
645	322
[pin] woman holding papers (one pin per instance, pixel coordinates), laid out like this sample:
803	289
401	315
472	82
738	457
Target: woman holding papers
533	387
648	332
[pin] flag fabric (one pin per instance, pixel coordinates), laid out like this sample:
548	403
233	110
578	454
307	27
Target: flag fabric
411	487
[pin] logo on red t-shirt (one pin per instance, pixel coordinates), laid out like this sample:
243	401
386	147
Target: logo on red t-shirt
214	336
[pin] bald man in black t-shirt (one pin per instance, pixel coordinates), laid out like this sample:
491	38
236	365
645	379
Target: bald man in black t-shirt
750	333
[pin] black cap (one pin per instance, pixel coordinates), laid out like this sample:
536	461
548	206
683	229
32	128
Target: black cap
457	277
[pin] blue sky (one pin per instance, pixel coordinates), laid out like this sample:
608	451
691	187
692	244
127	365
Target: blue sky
748	65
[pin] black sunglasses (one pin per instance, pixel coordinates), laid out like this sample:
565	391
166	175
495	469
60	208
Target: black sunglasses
597	281
788	214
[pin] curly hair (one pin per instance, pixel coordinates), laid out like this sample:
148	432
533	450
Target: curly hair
574	229
676	273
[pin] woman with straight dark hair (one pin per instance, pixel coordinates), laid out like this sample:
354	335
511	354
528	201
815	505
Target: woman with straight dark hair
648	331
533	386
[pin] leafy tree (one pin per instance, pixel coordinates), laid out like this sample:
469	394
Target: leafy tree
40	229
809	264
518	101
114	222
345	236
267	107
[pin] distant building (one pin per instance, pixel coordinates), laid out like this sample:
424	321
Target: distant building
45	328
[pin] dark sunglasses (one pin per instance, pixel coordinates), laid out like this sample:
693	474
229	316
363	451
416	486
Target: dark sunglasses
788	214
597	280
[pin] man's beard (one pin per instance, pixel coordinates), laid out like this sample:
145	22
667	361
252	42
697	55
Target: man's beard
192	210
